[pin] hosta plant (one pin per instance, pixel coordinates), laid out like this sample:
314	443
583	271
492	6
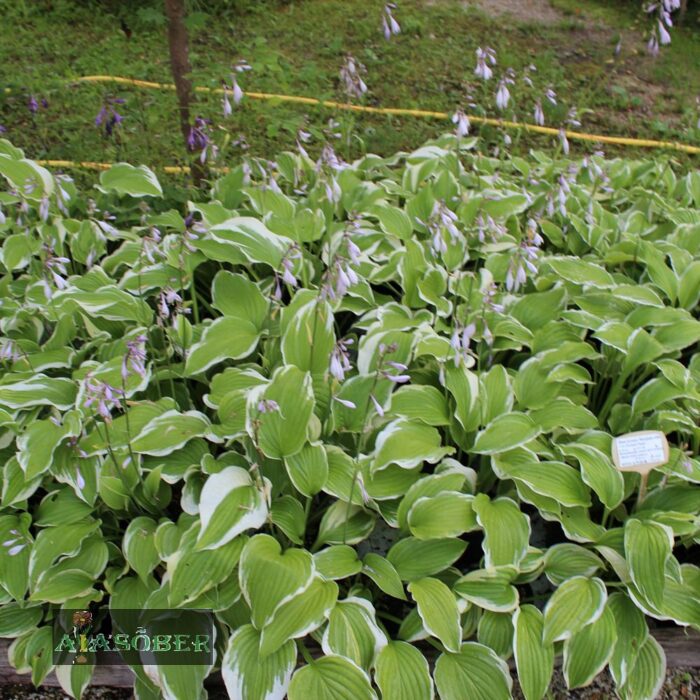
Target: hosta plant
363	412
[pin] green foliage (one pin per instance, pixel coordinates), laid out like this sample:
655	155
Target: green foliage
346	439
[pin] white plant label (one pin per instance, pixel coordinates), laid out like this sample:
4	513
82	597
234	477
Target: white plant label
641	451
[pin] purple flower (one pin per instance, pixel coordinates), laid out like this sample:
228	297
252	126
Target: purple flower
32	104
108	115
105	396
351	76
461	122
9	351
564	141
344	402
2	129
340	359
267	406
135	358
539	113
460	341
56	267
502	95
483	58
377	406
389	23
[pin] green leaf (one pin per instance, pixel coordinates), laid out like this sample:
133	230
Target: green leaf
331	678
282	433
448	514
437	608
308	337
504	433
337	562
414	559
566	560
648	546
555	480
489	589
475	673
238	297
581	272
632	632
598	471
169	431
408	444
268	575
253	239
352	632
495	630
62	586
15	620
227	338
576	603
308	469
194	572
588	651
533	659
229	504
123	178
343	524
383	573
394	221
299	615
506	530
420	403
38	390
464	387
37	444
139	546
248	676
402	673
427	486
647	675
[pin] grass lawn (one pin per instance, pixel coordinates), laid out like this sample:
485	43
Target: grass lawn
298	47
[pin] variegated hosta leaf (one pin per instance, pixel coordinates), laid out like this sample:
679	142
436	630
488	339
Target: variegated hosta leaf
506	530
578	602
447	514
632	632
331	678
230	503
534	659
566	560
402	673
269	576
474	672
299	614
489	589
648	673
352	632
648	546
413	558
495	630
408	444
438	610
248	676
337	562
587	651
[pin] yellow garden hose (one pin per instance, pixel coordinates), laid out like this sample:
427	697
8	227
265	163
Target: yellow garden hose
395	111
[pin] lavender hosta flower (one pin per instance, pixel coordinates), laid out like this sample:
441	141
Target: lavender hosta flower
225	103
502	95
9	351
198	139
55	266
564	142
44	208
108	116
15	544
389	23
134	358
32	104
267	406
484	57
3	218
340	359
489	299
377	406
460	341
539	113
104	396
461	122
167	299
344	402
351	76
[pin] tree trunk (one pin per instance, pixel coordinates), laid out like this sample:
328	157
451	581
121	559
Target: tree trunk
682	11
181	69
